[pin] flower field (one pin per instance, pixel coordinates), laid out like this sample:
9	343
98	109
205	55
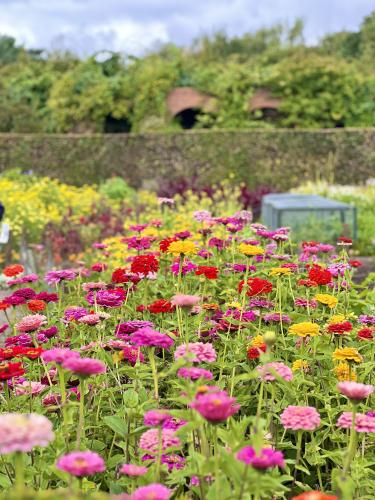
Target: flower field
193	357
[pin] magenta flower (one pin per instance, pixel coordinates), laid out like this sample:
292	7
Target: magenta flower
22	432
363	423
173	461
153	491
196	352
300	418
84	367
194	373
25	293
153	418
107	298
28	278
147	337
354	390
149	440
54	277
58	355
81	463
132	354
133	470
267	458
31	323
187	267
123	330
74	313
181	300
275	317
215	406
266	372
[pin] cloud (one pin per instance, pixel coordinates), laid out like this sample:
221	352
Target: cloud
135	25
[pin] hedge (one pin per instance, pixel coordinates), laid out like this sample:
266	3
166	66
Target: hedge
280	158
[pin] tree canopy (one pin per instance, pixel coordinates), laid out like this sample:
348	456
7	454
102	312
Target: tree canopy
331	84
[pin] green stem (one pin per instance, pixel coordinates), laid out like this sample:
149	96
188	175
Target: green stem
19	474
154	374
298	456
60	372
81	422
243	482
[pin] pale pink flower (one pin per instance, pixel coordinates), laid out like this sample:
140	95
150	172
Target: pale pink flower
133	470
31	323
354	390
363	423
196	352
94	285
22	432
266	372
90	319
181	300
149	440
29	387
300	418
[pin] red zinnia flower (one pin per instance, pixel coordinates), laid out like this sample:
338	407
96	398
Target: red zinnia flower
13	270
319	275
340	328
355	263
164	244
27	352
7	353
365	334
36	305
256	286
210	272
144	264
161	306
120	276
308	283
10	370
3	305
254	352
344	240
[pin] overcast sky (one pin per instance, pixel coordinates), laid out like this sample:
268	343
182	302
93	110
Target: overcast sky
133	26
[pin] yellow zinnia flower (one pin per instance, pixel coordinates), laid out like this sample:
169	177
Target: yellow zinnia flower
343	374
299	364
337	318
257	341
182	247
347	354
279	271
304	329
327	300
250	249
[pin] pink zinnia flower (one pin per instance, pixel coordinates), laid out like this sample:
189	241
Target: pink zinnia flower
181	300
266	371
196	352
84	367
81	463
354	390
267	457
90	319
31	323
132	354
215	406
149	440
363	423
148	337
133	470
153	418
194	373
29	387
22	432
58	355
93	285
300	418
153	491
54	277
